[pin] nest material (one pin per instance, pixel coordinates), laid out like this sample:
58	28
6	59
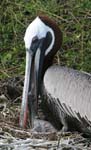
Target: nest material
13	137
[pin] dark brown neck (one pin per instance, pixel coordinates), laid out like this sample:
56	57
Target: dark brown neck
58	41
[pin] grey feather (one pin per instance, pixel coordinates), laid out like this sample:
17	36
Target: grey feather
72	91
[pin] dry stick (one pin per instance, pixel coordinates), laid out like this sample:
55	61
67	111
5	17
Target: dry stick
35	143
5	73
74	17
38	143
13	68
15	130
18	98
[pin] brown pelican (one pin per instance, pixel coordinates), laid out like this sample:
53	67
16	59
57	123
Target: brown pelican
65	93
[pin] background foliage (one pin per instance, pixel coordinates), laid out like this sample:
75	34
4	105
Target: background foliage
73	18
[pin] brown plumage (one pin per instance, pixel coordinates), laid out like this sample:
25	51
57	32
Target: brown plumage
66	93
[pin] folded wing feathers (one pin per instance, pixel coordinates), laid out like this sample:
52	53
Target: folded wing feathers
67	110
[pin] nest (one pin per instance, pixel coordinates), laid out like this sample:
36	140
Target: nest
13	137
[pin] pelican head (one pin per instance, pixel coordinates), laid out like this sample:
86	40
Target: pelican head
42	40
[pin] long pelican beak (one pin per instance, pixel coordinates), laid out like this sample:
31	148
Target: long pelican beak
34	65
24	106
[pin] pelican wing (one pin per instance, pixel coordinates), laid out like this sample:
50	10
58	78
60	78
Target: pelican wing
71	90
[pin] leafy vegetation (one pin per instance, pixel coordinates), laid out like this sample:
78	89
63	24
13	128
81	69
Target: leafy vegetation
73	18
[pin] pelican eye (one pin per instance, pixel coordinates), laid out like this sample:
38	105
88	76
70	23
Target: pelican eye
35	39
34	44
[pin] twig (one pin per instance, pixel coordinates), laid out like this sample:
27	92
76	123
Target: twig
15	131
74	17
5	73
